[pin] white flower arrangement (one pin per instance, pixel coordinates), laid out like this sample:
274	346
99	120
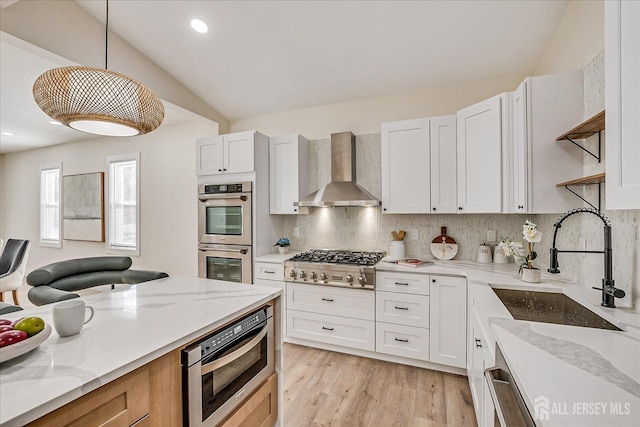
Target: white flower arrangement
510	248
531	235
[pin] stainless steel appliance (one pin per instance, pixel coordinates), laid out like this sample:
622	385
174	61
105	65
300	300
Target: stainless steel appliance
224	213
351	269
221	370
511	410
225	262
225	228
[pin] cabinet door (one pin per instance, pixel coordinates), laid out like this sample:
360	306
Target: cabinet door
476	373
288	173
443	164
448	321
518	181
209	156
238	152
622	68
479	157
405	167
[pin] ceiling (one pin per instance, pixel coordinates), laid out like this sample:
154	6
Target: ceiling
261	57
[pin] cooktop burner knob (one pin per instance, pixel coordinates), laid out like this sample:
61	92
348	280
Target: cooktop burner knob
293	274
349	278
303	274
362	280
323	276
313	275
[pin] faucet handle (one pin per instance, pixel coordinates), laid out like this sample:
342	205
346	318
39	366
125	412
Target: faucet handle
613	291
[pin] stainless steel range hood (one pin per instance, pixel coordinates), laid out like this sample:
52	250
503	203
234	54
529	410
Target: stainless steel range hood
342	190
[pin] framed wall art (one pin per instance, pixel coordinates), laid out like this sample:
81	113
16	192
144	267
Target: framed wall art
83	207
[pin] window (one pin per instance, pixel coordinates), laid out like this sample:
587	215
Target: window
124	201
50	176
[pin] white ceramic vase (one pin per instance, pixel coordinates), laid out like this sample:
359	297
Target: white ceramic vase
499	257
283	249
531	275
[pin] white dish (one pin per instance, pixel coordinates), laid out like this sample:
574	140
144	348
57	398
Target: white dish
18	349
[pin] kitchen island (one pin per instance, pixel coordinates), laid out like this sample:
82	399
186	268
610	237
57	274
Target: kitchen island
132	328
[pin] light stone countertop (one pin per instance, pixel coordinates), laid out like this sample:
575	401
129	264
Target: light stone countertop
579	376
132	326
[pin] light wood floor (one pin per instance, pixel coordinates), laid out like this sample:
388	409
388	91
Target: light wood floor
324	388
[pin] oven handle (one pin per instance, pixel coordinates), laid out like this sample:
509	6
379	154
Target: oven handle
212	366
222	196
494	395
242	251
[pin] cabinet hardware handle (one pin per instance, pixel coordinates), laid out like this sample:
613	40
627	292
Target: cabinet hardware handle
520	207
434	209
403	284
327	329
402	308
459	208
224	170
384	209
270	272
219	170
327	299
478	343
401	340
295	210
433	280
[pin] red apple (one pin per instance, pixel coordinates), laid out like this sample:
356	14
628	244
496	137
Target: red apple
12	337
5	328
5	322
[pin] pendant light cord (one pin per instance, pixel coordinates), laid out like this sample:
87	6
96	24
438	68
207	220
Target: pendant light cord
106	39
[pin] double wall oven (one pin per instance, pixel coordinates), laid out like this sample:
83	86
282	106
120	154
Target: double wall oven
224	232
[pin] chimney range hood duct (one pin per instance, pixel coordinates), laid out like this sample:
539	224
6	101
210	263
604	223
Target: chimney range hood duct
342	190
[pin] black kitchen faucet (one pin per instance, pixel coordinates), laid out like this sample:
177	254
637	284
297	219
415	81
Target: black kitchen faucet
609	291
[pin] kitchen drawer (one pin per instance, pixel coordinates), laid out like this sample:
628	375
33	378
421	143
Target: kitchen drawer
353	303
400	340
406	283
269	271
402	309
354	333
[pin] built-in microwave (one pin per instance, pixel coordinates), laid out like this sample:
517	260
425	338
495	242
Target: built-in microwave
224	213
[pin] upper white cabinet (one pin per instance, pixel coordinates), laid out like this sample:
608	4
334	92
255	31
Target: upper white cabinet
443	164
406	167
542	108
622	91
288	173
419	165
230	153
479	156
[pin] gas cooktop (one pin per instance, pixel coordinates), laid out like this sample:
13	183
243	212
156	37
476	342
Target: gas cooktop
334	268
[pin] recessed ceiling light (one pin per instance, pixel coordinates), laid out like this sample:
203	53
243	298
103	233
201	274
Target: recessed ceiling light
7	133
199	26
53	122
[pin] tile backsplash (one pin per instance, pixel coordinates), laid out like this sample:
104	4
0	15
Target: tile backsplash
368	228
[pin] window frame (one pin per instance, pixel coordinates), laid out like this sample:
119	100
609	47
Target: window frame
48	243
111	248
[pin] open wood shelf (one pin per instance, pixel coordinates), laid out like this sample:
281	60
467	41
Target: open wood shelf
584	181
585	129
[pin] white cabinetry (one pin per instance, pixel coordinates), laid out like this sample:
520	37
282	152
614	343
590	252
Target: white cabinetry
272	274
419	165
330	315
406	167
230	153
288	173
622	68
542	108
402	314
479	156
448	314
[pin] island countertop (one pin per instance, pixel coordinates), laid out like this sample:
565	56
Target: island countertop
131	327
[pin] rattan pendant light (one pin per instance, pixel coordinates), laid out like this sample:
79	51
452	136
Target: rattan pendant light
98	101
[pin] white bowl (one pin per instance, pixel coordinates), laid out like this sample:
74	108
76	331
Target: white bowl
18	349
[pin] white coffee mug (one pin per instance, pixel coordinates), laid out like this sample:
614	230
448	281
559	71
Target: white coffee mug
69	317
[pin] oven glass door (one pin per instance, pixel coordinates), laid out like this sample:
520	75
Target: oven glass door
225	373
225	219
225	262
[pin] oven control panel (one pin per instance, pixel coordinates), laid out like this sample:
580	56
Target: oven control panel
241	187
224	336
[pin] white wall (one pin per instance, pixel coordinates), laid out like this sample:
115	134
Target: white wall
168	195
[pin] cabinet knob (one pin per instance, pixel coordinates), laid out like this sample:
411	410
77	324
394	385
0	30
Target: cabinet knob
295	210
384	209
433	280
219	170
433	209
224	170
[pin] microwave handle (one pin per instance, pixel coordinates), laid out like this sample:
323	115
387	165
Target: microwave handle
212	366
204	198
242	251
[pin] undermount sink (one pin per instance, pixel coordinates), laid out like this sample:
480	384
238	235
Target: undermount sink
550	307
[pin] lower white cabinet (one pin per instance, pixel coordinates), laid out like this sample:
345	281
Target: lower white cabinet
448	319
342	331
402	309
401	340
272	274
353	303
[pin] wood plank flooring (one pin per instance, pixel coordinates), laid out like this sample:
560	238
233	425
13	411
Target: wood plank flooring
324	388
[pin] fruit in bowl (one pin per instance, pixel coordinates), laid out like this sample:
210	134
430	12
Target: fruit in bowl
22	336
